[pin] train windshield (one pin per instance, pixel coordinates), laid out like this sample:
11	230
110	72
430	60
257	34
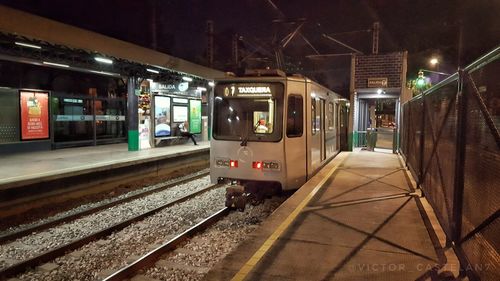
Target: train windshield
248	111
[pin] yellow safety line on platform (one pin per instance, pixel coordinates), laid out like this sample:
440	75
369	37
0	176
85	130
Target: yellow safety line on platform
249	265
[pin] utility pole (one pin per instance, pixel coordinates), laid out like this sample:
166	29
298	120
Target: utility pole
210	43
234	48
154	40
375	32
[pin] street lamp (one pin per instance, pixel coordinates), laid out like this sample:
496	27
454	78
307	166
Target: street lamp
434	61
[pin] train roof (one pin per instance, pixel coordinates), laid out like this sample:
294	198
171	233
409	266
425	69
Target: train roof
270	75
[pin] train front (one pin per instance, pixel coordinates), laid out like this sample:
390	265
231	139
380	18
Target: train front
247	140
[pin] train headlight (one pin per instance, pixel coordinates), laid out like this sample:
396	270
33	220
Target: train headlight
233	163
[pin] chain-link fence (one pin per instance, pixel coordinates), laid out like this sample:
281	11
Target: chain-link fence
451	144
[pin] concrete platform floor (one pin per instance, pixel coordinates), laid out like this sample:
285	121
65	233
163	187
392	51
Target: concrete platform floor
34	165
365	223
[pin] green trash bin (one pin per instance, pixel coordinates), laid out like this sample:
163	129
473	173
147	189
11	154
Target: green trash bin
371	139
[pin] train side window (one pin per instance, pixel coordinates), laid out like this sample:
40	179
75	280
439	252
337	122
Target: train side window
294	120
331	117
314	116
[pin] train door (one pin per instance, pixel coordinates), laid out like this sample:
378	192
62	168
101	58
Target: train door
337	125
323	129
295	135
315	143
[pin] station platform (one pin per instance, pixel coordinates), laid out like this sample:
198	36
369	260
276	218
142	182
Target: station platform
359	218
51	171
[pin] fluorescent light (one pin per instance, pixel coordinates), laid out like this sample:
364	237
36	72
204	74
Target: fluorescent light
203	89
379	91
152	70
55	64
187	79
105	73
28	45
104	60
150	80
211	84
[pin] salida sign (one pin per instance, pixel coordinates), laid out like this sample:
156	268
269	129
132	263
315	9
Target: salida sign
34	115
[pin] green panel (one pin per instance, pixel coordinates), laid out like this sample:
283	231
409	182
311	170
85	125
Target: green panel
9	116
195	116
133	140
350	140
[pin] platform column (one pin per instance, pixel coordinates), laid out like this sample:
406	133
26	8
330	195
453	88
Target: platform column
132	115
352	135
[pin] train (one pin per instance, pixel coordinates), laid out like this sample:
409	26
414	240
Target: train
272	132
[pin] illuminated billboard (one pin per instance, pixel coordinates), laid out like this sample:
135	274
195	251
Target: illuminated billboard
195	116
162	116
34	115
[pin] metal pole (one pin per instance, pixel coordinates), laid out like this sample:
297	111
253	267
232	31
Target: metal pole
210	43
375	37
460	158
132	115
422	141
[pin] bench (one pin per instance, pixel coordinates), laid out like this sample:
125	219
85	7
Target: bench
171	140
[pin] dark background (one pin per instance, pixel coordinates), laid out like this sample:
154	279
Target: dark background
424	28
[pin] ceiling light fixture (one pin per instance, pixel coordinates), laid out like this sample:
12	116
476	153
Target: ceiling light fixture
55	64
28	45
103	60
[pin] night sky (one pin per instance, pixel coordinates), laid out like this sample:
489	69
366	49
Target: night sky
424	28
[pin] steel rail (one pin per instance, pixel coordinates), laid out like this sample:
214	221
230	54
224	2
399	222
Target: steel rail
150	258
61	250
38	227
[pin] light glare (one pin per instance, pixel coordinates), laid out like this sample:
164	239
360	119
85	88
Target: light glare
103	60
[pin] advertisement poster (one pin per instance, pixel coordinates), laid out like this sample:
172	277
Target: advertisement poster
180	113
195	116
162	116
34	115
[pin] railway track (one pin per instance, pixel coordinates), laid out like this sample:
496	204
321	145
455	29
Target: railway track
63	249
9	236
150	258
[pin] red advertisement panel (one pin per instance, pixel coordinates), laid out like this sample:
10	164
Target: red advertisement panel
34	115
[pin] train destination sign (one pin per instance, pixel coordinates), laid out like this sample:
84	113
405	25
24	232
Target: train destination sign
248	90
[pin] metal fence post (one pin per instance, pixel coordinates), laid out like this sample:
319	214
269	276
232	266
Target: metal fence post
422	146
460	158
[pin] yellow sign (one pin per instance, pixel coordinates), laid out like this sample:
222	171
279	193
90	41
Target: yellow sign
377	82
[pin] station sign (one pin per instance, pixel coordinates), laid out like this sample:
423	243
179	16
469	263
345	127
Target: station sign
180	87
380	82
